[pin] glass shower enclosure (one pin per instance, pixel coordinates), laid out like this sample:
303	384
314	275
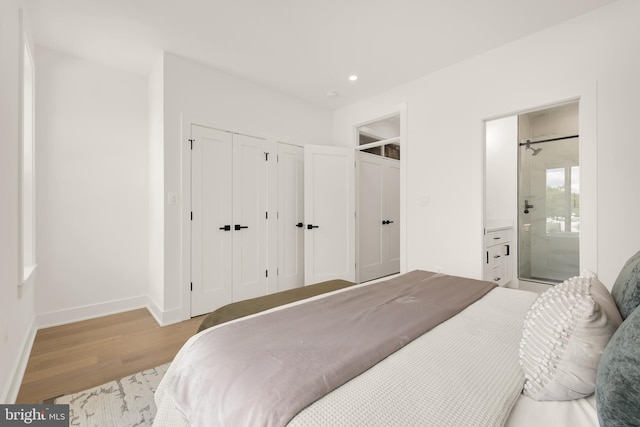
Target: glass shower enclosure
549	209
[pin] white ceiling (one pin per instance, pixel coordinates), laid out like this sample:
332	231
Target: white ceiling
304	48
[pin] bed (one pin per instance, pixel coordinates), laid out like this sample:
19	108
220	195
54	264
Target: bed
465	368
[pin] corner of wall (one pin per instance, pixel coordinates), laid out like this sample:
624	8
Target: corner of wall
155	109
11	389
164	318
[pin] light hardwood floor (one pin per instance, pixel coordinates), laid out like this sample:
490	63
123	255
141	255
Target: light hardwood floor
74	357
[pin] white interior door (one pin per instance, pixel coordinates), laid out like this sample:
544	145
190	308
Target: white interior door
370	216
392	214
290	216
329	200
211	225
378	216
250	222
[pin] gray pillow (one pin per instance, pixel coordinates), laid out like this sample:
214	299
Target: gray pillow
626	289
618	377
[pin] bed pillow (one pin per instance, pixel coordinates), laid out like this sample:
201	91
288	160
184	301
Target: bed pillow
565	332
626	288
618	379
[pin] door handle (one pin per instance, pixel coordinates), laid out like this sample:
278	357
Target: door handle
238	227
310	226
527	206
300	225
387	222
225	228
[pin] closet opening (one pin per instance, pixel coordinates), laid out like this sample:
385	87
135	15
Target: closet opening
378	198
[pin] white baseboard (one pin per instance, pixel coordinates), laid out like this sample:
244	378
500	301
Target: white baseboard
62	317
11	390
164	318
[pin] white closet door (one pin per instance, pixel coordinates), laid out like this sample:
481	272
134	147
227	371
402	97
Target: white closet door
290	216
329	174
371	256
211	195
392	213
378	217
250	205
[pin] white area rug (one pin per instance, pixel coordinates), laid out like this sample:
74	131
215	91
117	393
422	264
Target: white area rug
124	402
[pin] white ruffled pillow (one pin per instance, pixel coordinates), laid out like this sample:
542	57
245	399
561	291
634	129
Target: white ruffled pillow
564	335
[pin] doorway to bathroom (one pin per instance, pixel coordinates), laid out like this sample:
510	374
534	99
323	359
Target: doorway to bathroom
549	194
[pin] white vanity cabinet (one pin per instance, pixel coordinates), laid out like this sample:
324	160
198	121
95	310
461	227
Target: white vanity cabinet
498	267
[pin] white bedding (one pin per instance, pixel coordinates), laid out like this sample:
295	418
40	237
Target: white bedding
568	413
463	372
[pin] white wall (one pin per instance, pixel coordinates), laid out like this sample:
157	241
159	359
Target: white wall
501	172
384	129
17	327
92	190
156	186
195	93
585	57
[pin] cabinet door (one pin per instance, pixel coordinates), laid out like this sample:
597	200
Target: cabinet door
497	257
211	200
290	216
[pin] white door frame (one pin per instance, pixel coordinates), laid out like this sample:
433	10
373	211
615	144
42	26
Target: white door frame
393	111
586	95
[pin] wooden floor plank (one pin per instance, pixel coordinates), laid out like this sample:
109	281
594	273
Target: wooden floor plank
70	358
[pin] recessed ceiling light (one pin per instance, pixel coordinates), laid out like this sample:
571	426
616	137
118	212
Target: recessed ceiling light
353	77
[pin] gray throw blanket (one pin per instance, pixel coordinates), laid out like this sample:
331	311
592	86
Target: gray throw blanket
263	370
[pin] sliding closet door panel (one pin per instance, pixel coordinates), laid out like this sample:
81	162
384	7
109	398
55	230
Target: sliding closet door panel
392	213
211	195
370	216
329	213
290	216
250	205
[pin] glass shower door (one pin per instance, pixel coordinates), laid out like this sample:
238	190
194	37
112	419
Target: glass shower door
549	210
